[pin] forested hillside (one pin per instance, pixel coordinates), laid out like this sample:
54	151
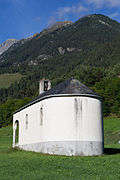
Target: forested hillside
88	50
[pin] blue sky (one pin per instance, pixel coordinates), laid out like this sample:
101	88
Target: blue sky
22	18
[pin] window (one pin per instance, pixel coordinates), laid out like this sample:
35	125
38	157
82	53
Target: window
41	116
26	123
16	131
45	85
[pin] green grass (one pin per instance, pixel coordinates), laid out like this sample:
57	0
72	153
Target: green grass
7	79
22	165
112	131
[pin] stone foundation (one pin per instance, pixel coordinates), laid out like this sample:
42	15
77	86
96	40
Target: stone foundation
68	148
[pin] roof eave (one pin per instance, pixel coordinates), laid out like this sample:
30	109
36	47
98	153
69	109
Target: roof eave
59	95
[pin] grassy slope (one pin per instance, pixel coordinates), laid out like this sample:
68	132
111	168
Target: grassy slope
21	165
112	131
7	79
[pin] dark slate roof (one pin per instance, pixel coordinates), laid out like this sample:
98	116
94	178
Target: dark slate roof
69	87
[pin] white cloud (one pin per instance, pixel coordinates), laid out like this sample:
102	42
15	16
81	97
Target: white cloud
61	12
64	13
113	3
78	9
97	3
51	21
108	3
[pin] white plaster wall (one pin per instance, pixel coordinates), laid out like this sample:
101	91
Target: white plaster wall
64	119
33	133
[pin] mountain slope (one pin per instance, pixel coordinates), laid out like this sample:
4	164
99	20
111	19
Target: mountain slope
8	43
80	39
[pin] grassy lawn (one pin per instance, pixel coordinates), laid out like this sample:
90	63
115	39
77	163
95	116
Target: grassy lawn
7	79
21	165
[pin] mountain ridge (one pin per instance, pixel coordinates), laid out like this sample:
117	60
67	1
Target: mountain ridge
82	36
7	44
13	43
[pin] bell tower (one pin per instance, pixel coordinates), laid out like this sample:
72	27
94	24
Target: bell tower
44	85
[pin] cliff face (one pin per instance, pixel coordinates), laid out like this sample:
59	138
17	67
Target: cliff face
5	45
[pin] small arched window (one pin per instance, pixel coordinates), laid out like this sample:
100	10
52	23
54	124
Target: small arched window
45	85
41	116
16	131
26	122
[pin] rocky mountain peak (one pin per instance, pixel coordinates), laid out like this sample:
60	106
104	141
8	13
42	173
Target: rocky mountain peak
34	35
5	45
56	26
60	24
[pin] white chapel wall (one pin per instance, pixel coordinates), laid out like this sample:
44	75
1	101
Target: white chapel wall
64	119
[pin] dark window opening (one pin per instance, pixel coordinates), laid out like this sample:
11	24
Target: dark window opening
45	85
26	121
17	132
41	116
